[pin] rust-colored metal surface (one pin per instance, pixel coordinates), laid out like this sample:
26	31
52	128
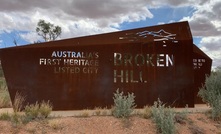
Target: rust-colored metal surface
84	72
202	68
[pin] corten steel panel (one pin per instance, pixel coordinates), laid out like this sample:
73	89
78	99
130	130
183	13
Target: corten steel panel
152	62
202	68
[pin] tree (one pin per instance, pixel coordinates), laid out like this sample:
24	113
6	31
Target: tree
47	30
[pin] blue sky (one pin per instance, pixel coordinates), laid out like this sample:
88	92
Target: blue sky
164	14
78	18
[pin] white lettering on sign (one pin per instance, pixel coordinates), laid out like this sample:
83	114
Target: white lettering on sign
72	62
73	54
44	61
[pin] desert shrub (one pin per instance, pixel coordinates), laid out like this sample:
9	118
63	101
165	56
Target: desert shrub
211	93
17	119
32	110
98	110
37	110
85	113
18	102
163	117
5	116
45	109
147	113
55	124
4	97
123	104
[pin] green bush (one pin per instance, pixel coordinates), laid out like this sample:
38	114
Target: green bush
5	116
16	119
211	93
45	109
163	117
37	110
32	111
123	104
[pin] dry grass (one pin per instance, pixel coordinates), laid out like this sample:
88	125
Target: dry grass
147	113
98	111
55	124
18	102
85	113
5	116
5	101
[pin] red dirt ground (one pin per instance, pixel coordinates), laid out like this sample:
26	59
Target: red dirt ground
195	123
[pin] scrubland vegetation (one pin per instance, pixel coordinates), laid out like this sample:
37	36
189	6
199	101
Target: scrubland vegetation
211	93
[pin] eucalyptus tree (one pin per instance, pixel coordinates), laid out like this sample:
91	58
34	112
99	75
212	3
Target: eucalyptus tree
48	31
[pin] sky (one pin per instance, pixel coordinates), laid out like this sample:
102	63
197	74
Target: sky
19	19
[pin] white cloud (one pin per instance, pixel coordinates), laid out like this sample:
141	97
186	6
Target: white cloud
77	18
206	20
211	46
103	13
31	37
206	23
175	3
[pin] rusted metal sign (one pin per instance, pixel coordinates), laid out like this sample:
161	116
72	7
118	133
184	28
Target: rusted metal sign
84	72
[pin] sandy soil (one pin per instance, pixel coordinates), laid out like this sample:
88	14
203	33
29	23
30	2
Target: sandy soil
195	123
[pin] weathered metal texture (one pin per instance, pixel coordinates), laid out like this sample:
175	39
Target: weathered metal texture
79	73
202	67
